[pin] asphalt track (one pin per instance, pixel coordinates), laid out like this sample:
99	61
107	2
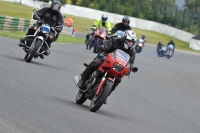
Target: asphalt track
39	97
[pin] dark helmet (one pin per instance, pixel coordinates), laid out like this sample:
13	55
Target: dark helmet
171	41
127	20
55	5
143	36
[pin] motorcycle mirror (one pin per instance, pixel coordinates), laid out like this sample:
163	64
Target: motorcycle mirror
135	69
34	10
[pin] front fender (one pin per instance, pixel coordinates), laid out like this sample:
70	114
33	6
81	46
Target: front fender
40	37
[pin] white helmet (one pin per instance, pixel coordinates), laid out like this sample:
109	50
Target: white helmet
104	18
129	39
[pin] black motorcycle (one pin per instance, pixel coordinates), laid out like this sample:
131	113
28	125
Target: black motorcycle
39	38
161	51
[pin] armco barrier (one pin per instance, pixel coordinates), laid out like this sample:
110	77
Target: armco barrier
18	24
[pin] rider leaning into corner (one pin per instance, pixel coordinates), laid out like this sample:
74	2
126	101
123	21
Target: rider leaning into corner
172	43
124	43
48	15
99	23
124	25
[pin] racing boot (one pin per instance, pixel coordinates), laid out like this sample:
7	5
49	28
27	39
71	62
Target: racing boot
22	42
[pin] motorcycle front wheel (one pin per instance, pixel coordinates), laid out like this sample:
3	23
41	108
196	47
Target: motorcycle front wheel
29	56
99	99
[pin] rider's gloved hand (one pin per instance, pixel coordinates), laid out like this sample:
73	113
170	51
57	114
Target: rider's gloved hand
109	33
101	56
93	28
128	73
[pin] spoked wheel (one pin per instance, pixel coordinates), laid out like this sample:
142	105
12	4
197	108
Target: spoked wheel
80	98
99	99
29	56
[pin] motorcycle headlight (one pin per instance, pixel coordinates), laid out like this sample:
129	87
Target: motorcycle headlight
140	44
117	67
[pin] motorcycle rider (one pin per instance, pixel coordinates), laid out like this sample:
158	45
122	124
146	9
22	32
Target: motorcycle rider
160	45
99	23
172	43
124	25
124	43
48	15
144	40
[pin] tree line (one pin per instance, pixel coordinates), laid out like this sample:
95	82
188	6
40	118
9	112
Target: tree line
162	11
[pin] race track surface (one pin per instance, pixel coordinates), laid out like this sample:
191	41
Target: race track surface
39	97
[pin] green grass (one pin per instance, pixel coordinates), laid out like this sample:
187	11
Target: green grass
61	38
15	10
21	11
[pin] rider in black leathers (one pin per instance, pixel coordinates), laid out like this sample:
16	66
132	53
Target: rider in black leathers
51	16
160	45
124	25
125	43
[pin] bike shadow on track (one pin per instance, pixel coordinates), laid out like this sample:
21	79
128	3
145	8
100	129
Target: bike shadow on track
102	112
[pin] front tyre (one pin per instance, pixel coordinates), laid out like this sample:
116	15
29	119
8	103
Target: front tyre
99	99
29	56
80	98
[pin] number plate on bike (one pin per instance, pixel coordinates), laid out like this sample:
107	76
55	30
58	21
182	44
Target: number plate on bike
45	28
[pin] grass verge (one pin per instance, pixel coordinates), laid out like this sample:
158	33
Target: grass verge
61	38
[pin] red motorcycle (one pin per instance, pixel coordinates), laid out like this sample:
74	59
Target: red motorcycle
99	85
97	39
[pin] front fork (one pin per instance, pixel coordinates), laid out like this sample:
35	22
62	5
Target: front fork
103	82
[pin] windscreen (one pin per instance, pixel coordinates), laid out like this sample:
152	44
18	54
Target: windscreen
122	55
102	29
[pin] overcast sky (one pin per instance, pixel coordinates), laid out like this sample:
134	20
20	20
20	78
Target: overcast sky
180	3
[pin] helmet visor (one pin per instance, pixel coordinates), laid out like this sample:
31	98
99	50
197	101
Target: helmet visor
125	23
104	19
56	7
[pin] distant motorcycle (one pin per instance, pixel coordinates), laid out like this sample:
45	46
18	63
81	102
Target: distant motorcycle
169	52
139	46
89	40
161	51
118	33
97	39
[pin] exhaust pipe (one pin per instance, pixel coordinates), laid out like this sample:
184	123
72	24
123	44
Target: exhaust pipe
76	79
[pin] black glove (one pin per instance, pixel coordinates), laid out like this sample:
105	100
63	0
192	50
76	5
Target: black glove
58	29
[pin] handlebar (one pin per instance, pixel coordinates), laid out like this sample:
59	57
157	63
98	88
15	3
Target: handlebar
53	28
